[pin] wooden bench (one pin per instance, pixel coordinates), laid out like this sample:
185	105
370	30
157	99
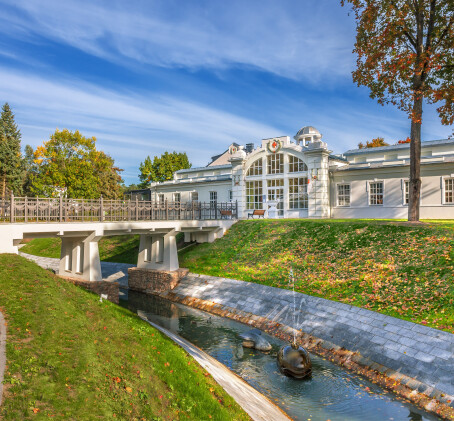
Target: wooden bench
227	214
258	212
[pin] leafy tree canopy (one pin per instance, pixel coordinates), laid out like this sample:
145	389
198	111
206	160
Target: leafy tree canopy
70	162
374	143
162	168
405	55
11	169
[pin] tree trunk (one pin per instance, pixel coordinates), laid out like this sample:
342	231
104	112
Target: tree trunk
414	185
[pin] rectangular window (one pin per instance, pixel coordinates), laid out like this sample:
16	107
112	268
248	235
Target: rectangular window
343	195
449	191
213	198
254	195
161	197
230	195
275	163
195	196
406	194
376	193
177	197
297	193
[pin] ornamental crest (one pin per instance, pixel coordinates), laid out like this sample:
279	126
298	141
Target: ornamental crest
233	149
274	146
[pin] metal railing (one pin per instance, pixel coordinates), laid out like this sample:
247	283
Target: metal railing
37	209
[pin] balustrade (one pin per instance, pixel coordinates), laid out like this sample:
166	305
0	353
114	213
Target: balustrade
38	209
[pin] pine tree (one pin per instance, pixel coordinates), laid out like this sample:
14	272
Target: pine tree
11	168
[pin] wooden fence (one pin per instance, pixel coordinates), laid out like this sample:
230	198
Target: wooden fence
37	209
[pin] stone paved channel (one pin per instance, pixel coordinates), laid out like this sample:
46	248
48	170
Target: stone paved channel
415	351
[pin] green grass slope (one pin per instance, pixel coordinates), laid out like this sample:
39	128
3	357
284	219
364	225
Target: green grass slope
119	248
393	268
71	357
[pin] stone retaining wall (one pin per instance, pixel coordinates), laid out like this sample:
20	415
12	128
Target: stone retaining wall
152	281
111	289
414	360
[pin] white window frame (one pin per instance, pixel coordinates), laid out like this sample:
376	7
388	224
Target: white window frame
294	161
443	190
300	197
275	164
382	193
405	191
254	191
192	196
175	196
213	198
256	168
161	198
344	195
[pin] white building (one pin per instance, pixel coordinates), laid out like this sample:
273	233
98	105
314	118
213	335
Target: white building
304	180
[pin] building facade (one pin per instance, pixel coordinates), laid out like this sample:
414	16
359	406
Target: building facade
303	179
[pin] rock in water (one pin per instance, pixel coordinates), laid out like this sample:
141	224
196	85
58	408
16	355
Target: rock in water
254	339
294	361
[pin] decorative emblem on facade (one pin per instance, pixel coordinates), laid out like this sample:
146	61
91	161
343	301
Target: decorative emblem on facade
233	149
274	146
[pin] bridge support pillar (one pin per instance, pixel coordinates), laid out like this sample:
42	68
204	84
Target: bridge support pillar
158	251
79	258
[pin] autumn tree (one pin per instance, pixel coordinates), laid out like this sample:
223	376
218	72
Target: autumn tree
405	55
11	170
69	161
162	168
374	143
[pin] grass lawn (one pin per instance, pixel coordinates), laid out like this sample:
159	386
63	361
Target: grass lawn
119	248
386	266
71	357
390	267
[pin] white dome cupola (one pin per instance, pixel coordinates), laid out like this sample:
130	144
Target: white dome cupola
307	134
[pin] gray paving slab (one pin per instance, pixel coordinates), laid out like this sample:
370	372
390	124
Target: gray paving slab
415	350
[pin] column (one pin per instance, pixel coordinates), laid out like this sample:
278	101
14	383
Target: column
158	251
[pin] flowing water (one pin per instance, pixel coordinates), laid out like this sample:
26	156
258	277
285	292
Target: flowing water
331	394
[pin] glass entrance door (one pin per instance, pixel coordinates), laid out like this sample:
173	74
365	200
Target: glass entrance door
276	193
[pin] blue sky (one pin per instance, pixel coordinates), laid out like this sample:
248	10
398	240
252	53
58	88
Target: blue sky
148	76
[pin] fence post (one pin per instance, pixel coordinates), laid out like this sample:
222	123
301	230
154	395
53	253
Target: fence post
60	212
25	210
101	208
236	209
11	216
167	210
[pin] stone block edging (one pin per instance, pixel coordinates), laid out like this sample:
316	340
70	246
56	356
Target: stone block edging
429	398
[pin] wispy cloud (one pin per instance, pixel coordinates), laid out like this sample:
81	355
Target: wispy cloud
129	126
300	40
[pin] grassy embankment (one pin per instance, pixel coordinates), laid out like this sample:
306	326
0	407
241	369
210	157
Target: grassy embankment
393	268
71	357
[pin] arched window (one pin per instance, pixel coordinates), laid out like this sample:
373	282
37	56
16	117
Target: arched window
256	168
295	164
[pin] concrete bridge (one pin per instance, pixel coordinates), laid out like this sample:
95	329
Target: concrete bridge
82	223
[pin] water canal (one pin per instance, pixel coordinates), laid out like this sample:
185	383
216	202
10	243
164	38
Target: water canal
331	394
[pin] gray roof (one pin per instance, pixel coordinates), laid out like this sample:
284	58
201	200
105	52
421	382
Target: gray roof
195	169
398	147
